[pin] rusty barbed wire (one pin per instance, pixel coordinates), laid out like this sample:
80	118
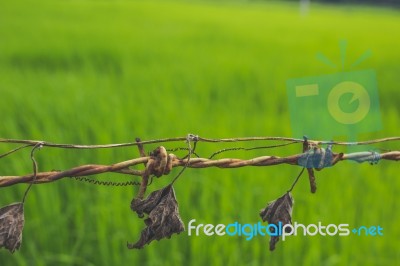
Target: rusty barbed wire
161	206
158	166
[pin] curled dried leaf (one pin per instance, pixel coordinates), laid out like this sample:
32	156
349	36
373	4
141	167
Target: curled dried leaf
11	225
163	216
278	211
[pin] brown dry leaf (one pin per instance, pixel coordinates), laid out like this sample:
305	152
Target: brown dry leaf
11	225
163	216
279	210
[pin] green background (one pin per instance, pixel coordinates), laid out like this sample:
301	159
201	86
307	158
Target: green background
93	72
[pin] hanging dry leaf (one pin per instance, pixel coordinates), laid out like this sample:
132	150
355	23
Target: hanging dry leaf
163	219
11	225
279	210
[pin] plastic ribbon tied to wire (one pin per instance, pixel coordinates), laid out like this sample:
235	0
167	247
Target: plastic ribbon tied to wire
160	207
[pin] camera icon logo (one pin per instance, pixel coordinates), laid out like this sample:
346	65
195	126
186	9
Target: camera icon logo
342	104
359	93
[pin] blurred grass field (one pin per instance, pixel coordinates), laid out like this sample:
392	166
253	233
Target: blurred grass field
96	72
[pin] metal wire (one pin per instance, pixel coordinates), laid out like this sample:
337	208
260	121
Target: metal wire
199	139
106	183
123	167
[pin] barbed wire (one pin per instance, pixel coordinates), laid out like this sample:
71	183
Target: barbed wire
161	161
170	161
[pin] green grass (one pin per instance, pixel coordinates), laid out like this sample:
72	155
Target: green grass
109	71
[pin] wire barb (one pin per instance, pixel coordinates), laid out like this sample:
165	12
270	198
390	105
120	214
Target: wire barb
35	169
190	137
375	158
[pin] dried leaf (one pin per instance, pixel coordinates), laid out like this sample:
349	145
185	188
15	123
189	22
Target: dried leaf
279	210
163	216
11	225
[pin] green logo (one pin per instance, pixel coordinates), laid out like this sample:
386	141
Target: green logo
340	104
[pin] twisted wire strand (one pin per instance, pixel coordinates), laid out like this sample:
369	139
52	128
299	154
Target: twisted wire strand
123	167
107	183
